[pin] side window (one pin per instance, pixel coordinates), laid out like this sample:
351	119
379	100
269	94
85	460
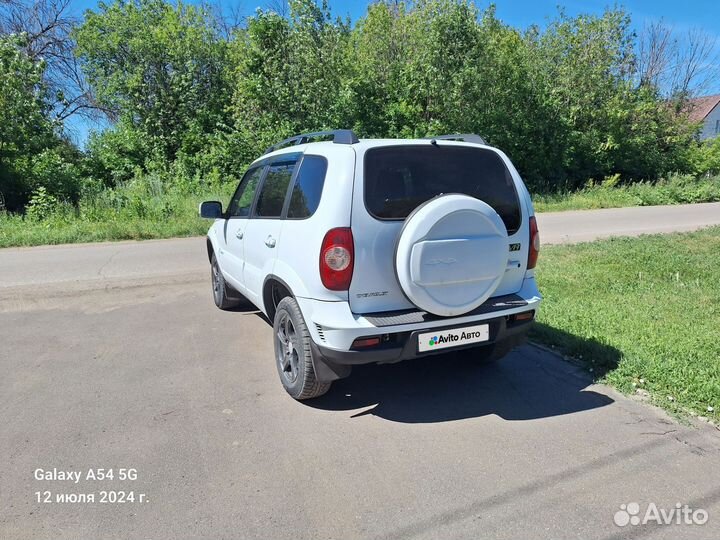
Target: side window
274	189
308	187
243	198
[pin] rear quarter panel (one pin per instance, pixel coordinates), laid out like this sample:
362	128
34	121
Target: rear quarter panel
298	257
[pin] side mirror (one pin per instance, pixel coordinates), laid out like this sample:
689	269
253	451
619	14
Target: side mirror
211	210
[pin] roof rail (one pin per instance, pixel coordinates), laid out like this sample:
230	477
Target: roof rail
339	136
465	137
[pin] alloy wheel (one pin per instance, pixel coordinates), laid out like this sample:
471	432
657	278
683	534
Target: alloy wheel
287	349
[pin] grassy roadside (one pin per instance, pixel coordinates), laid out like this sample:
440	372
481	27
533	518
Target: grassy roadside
14	232
130	213
144	209
678	189
643	313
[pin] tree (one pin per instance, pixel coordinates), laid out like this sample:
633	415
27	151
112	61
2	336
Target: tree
586	67
31	153
677	65
160	67
192	92
289	75
411	64
441	66
46	29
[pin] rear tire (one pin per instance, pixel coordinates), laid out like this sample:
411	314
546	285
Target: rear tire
221	290
293	355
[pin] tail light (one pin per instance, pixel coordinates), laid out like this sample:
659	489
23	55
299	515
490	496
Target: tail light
524	316
336	259
534	250
363	343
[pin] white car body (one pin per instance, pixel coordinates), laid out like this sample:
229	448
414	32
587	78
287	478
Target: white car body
256	253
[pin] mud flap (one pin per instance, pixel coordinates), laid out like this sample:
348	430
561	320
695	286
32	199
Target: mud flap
325	370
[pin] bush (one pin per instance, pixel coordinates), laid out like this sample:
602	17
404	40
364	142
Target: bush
54	171
705	157
42	205
192	106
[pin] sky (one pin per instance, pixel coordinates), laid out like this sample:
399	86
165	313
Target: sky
704	14
681	15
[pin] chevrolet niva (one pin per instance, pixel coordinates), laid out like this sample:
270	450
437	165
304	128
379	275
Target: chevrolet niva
376	251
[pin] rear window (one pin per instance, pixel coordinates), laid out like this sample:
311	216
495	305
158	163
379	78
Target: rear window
398	179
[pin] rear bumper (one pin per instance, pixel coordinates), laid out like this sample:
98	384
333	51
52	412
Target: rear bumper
500	330
333	326
331	364
333	331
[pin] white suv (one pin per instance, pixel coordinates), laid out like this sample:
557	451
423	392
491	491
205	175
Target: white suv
377	250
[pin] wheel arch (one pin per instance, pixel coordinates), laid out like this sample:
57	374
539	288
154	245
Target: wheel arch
210	248
274	289
211	243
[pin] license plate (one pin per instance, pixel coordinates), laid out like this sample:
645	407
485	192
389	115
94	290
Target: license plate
444	339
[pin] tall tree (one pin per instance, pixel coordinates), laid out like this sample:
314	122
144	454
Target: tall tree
28	134
46	28
289	74
159	66
678	65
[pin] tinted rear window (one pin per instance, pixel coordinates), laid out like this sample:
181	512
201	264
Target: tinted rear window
274	189
400	178
308	187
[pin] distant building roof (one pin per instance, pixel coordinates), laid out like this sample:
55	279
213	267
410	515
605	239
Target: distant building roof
699	108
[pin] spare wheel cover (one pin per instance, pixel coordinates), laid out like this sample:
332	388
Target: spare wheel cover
451	254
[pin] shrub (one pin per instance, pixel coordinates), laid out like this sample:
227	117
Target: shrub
42	204
706	157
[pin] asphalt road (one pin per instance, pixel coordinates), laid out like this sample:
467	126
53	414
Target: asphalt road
584	225
113	356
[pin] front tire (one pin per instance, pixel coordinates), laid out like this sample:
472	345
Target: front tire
293	355
220	287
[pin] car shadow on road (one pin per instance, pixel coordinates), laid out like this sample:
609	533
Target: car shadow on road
529	383
597	356
246	307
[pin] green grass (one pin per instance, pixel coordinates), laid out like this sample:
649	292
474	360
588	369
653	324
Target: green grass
16	232
641	313
678	189
129	213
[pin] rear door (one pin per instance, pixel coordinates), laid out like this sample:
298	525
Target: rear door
263	232
393	180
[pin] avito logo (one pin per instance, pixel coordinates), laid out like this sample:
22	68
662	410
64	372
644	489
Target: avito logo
442	339
630	514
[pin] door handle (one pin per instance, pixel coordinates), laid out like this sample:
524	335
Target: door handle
239	235
270	242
